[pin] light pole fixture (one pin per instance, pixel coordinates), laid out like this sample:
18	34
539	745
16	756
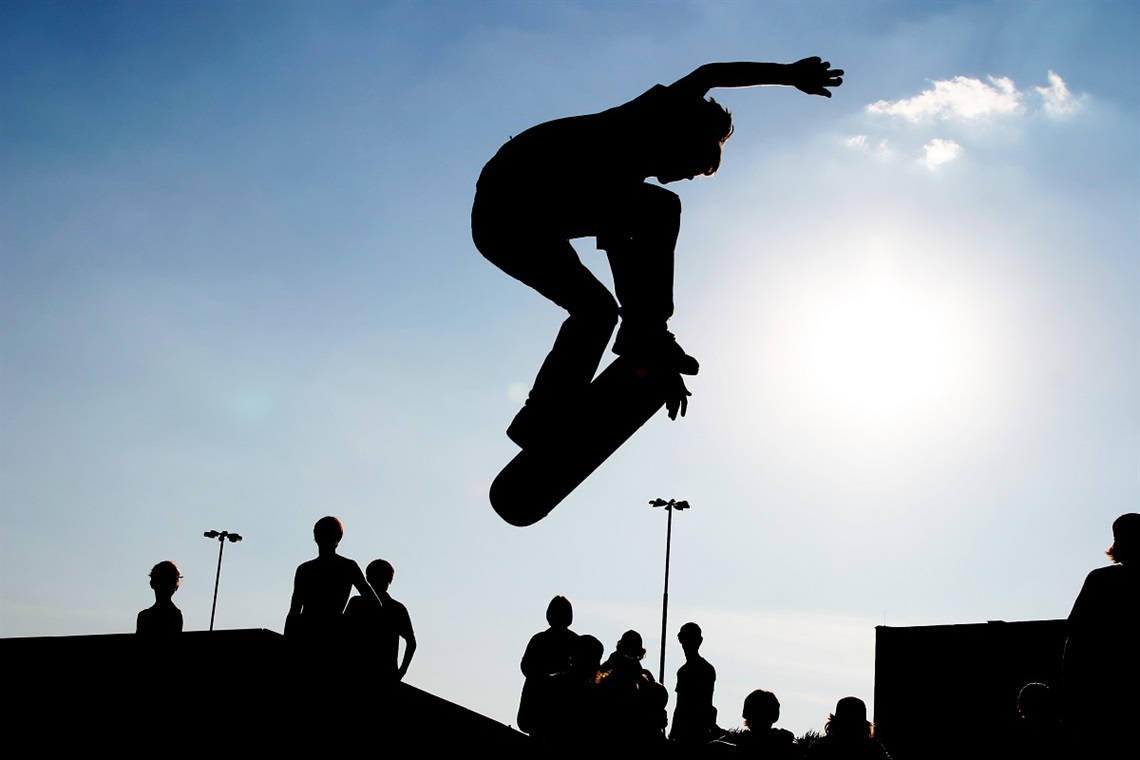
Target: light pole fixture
222	537
669	507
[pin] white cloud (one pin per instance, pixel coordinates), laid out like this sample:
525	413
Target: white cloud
858	141
939	151
1059	102
960	97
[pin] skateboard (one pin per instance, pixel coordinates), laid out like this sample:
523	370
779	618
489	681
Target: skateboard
619	401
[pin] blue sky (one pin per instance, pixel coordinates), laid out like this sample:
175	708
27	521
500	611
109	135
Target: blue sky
238	292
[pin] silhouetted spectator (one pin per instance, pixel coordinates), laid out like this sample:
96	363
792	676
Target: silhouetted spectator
761	739
694	717
631	700
163	617
379	630
572	701
581	698
549	652
322	585
1102	657
848	735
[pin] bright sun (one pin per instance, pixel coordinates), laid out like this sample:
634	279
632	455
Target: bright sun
880	352
876	348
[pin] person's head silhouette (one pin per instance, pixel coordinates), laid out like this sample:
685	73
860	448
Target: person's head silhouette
559	613
1125	537
380	574
165	579
761	710
327	532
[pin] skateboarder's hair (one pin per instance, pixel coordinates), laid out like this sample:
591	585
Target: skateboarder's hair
709	124
328	530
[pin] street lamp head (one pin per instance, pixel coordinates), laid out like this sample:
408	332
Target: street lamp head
233	537
211	534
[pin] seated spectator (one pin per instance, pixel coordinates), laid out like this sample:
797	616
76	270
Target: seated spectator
760	739
848	735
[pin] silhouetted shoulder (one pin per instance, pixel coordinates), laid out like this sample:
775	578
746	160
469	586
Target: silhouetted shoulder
1106	594
159	619
580	150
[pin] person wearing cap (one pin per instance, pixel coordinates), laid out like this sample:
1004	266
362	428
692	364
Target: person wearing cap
163	617
632	699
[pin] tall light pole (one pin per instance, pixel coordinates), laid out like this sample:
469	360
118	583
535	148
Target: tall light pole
222	537
669	507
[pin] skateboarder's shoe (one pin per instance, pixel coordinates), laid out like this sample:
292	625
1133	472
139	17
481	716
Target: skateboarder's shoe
659	348
535	424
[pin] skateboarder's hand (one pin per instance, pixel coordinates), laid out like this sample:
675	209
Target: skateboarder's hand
677	399
813	76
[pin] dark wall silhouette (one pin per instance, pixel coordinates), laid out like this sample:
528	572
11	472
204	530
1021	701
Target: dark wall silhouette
224	693
927	677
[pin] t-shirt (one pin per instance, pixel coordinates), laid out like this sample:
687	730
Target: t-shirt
159	619
379	629
578	150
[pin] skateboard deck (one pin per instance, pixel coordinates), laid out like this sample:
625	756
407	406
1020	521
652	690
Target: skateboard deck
619	401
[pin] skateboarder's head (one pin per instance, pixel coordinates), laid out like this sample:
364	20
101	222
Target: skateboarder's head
690	638
328	532
380	574
164	579
559	613
691	145
761	709
1125	536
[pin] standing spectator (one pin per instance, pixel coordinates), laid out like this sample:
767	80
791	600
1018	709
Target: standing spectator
549	652
694	718
379	630
1101	680
322	585
163	617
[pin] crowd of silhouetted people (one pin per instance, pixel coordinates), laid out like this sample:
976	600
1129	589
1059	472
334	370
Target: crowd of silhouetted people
320	611
574	701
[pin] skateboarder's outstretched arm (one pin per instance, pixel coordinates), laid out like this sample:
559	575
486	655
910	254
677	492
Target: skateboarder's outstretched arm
811	75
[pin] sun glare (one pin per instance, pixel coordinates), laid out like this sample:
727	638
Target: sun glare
875	348
880	352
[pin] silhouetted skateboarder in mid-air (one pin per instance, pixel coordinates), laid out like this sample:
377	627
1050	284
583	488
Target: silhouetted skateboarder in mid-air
584	176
